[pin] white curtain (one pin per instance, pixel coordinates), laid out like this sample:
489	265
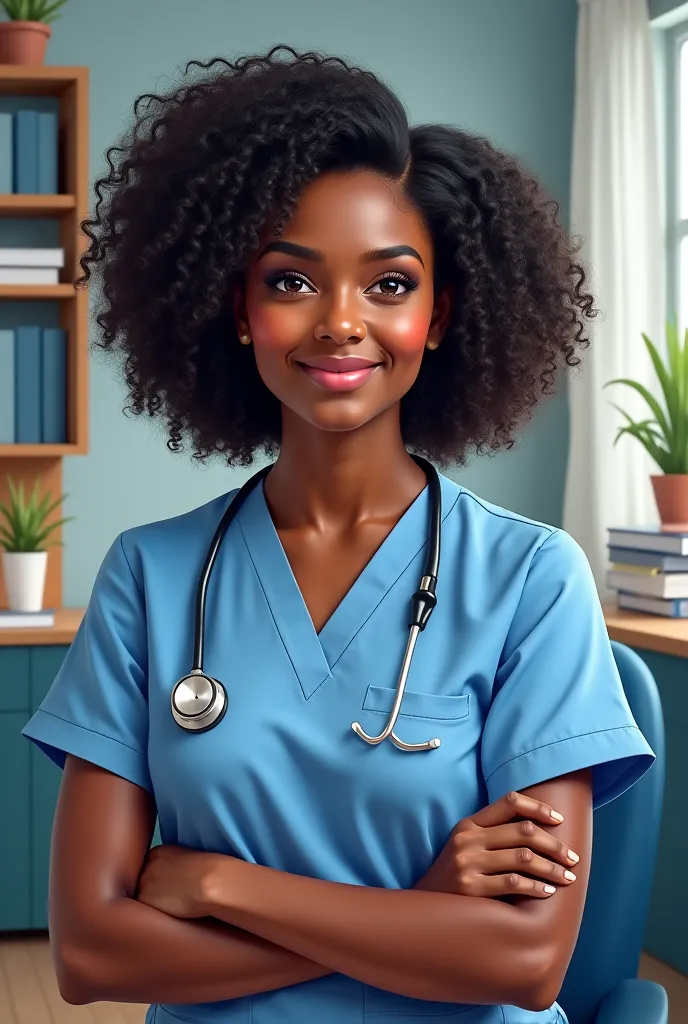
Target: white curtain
616	207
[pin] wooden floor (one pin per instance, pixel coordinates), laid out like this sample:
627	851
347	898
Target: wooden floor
29	995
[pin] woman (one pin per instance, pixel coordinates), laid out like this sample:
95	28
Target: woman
289	269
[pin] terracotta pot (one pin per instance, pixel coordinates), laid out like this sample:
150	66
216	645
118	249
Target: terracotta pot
23	42
671	495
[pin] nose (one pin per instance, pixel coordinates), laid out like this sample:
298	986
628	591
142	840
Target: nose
341	324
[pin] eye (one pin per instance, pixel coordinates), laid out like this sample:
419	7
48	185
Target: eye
290	279
395	285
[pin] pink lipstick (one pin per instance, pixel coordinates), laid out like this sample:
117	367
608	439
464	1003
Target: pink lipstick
339	373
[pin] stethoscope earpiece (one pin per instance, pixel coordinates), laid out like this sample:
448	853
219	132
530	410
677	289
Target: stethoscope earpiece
199	702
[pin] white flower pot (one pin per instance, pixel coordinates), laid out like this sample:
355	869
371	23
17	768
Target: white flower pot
24	573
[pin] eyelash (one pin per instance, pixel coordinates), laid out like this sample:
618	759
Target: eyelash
409	283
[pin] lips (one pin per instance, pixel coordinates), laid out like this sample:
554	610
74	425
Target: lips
339	373
338	364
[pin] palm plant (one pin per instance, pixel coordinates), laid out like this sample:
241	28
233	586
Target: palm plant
664	435
26	529
32	10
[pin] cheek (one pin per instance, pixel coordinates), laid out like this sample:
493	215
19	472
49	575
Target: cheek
272	331
405	338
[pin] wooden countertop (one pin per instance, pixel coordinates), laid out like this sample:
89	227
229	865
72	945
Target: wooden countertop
66	624
648	632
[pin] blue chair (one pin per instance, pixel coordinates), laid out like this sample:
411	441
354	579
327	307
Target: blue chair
601	986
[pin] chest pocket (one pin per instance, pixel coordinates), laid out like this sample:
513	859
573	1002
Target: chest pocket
441	707
423	716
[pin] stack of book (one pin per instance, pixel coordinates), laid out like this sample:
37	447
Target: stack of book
29	152
30	265
33	385
44	619
649	570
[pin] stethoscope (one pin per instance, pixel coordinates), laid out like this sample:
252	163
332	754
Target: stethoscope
199	702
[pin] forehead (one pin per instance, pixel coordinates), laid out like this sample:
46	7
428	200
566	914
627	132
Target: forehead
350	212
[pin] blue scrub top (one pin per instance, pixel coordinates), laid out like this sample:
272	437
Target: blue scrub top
514	673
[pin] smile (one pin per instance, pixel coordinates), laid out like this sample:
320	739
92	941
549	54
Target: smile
339	373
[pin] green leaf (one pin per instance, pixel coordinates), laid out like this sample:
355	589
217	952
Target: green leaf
651	401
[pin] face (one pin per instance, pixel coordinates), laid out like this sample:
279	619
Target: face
340	307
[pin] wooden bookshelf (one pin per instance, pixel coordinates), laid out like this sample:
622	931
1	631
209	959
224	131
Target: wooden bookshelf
26	462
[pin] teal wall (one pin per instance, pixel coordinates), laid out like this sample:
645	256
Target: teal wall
501	68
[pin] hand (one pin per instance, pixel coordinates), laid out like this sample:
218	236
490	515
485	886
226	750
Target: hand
490	854
174	879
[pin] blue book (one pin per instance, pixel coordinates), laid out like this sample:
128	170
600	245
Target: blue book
648	538
676	608
54	385
6	387
47	153
6	183
25	151
27	384
651	559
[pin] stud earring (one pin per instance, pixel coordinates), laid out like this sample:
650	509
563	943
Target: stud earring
245	339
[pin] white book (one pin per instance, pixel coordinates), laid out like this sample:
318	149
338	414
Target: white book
29	275
668	586
21	620
17	256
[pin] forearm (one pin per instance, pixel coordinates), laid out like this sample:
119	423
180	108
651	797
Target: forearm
134	953
425	945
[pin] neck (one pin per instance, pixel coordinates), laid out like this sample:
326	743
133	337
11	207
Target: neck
339	479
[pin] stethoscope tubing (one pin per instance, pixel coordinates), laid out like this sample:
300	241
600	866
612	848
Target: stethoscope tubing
199	702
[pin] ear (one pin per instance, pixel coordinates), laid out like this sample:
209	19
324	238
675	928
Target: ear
440	318
239	310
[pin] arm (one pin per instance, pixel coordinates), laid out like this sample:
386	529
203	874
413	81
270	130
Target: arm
108	946
425	945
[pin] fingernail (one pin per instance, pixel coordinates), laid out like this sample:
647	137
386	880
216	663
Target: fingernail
549	888
557	816
569	875
573	857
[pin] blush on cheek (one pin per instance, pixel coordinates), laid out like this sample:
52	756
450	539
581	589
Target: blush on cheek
407	336
272	331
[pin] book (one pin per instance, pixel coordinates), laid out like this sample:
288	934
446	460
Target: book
27	383
20	620
676	609
6	183
668	586
25	139
652	559
650	538
640	570
53	370
6	387
30	256
29	275
46	152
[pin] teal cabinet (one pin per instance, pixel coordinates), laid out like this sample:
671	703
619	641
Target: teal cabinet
29	783
15	840
29	786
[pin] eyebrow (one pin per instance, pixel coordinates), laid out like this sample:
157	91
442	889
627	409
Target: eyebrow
371	256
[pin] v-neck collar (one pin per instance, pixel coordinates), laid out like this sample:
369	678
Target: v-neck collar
315	655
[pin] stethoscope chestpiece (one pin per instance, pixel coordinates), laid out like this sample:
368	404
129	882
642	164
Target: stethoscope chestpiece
198	702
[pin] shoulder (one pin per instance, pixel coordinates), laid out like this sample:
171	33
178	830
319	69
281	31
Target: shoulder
183	536
490	530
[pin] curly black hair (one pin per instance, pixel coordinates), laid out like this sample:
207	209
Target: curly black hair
207	167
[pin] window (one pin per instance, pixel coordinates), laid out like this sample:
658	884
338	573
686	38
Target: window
677	172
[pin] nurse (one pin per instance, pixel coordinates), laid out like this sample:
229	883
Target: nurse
296	276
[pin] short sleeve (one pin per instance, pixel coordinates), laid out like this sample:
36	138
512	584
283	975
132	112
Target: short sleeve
558	703
97	706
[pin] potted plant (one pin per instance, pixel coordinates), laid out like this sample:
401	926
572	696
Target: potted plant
24	559
665	434
24	37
